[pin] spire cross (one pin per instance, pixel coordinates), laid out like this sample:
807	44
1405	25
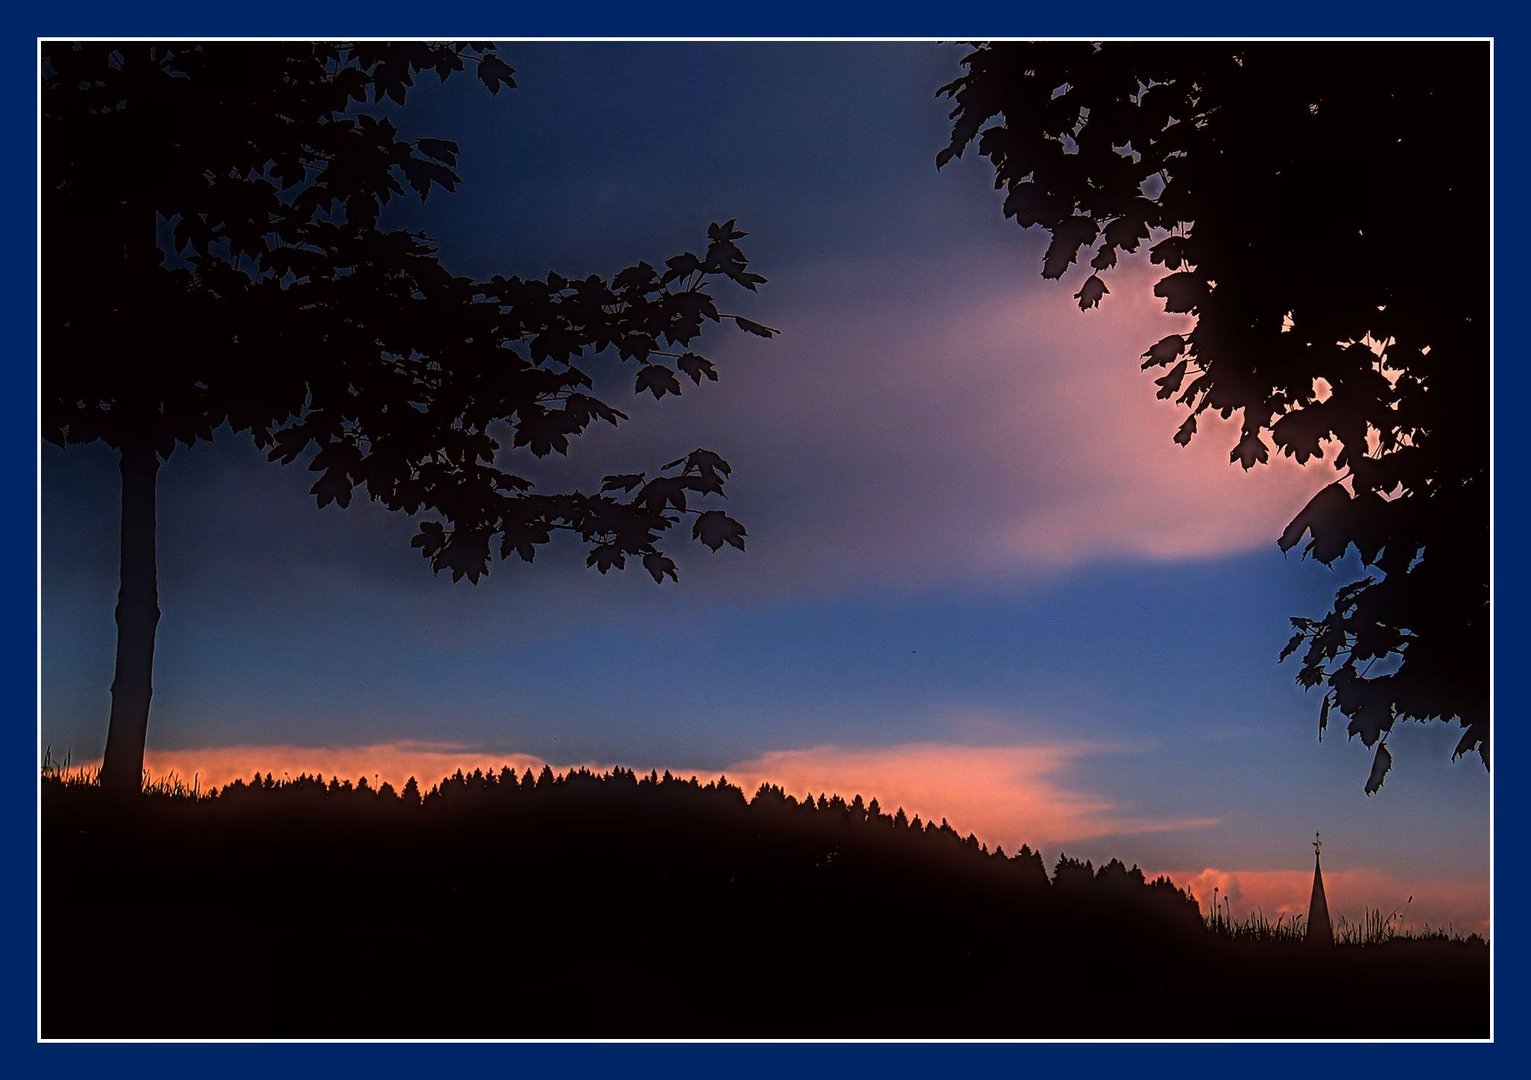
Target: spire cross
1318	845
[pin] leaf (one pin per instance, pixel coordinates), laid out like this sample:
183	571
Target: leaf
288	444
466	554
430	539
697	366
543	430
657	380
522	539
755	328
1250	451
589	408
1169	251
636	277
659	566
334	486
1090	293
421	174
1476	735
660	492
724	232
621	481
1169	384
1185	431
1164	351
604	556
1321	516
1069	235
1182	293
1382	761
495	73
1301	432
443	150
683	265
715	528
704	472
1323	720
706	462
636	347
1126	231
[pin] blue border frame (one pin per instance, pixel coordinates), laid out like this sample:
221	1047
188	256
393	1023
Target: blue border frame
1109	18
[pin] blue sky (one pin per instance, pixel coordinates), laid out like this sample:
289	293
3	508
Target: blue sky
969	529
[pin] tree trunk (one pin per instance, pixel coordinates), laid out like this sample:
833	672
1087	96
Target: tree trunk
137	617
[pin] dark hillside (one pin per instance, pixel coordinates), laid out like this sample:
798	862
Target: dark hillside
614	906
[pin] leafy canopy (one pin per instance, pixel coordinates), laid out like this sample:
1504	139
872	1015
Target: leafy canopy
213	255
1322	212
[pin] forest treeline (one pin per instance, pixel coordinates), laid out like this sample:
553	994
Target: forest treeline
619	905
705	806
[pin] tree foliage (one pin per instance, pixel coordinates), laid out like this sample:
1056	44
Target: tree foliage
215	254
1321	210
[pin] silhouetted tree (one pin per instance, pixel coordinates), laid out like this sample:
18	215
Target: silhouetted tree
1071	874
1029	866
215	260
1283	188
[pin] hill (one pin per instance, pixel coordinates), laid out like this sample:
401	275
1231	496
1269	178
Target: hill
585	906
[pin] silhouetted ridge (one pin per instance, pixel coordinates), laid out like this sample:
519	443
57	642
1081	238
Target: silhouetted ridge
586	905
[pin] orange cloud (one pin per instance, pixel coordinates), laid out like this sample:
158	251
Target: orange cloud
1003	794
216	766
1350	892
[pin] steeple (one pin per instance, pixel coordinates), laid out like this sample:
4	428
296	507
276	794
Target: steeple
1320	931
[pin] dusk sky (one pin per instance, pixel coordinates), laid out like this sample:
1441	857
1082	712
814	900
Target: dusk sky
981	581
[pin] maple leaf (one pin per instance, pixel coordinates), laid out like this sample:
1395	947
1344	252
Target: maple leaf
1090	293
758	329
1250	451
1382	761
659	566
715	528
657	380
697	366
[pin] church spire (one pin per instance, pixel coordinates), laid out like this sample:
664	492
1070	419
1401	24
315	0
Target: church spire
1320	930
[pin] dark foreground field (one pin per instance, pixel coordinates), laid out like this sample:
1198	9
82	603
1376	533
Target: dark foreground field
619	907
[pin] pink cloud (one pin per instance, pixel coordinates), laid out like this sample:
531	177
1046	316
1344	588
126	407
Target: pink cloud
991	427
1003	794
1120	484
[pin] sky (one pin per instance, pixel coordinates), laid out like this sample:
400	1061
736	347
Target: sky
981	580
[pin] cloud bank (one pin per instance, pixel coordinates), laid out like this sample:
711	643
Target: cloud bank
964	420
1003	794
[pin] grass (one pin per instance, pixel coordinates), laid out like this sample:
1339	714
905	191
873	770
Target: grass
1373	928
170	786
